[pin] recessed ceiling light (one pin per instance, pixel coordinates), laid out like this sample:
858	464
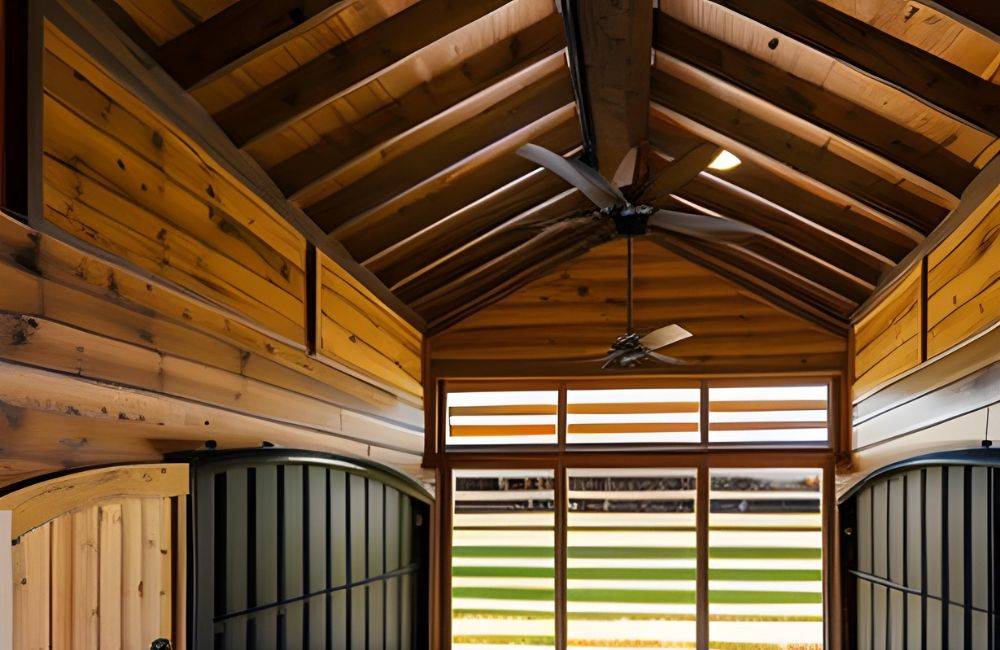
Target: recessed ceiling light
724	161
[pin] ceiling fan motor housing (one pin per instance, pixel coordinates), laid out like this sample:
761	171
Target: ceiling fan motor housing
630	220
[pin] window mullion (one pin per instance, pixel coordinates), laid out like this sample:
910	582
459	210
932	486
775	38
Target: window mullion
561	517
701	553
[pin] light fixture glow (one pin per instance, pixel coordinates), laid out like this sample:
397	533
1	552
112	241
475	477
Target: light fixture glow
724	161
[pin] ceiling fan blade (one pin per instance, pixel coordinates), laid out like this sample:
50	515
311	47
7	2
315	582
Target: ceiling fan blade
704	226
663	358
576	173
675	175
664	336
625	173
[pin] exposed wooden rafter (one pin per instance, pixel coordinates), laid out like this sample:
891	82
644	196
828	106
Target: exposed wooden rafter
348	66
239	32
344	212
616	42
808	101
510	61
568	204
507	273
458	185
819	163
738	273
882	56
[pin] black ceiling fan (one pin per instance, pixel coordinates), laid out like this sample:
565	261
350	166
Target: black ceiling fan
633	218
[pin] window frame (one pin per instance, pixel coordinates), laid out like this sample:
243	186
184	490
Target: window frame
702	457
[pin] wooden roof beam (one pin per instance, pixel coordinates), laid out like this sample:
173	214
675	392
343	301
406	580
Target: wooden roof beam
895	143
881	56
787	172
348	66
615	38
465	88
238	33
507	273
743	274
407	256
569	204
459	185
789	254
840	252
738	127
344	212
886	241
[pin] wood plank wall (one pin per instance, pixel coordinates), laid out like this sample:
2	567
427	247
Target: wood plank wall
949	296
124	180
578	310
192	323
356	329
926	357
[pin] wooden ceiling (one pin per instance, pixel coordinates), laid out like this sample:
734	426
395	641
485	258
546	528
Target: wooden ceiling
394	125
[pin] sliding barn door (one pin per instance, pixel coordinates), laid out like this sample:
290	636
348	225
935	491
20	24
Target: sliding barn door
95	561
298	550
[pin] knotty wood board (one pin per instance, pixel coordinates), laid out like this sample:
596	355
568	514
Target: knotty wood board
354	328
887	341
576	312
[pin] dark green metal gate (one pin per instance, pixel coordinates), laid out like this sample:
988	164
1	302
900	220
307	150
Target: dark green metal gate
297	549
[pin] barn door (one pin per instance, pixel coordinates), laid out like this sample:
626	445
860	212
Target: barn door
95	559
302	550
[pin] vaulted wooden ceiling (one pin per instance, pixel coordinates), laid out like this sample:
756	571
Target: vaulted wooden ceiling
394	125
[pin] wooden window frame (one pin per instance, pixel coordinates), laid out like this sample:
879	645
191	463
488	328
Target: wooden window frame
702	457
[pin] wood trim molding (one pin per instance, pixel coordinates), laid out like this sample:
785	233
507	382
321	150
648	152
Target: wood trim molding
43	501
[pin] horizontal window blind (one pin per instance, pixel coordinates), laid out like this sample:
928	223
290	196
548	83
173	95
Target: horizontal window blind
633	415
502	417
768	414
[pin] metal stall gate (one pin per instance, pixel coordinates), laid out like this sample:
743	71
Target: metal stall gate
919	544
304	550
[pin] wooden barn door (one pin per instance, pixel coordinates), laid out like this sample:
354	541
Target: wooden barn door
96	564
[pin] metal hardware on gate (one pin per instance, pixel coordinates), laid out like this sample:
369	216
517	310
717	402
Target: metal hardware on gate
160	644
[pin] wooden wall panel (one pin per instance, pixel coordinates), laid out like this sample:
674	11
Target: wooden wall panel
93	557
97	577
126	181
887	341
356	329
206	375
963	283
577	311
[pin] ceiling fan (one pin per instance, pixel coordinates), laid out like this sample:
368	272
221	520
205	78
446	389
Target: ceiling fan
634	217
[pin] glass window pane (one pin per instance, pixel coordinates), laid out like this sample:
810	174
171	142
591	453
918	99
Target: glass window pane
502	417
503	563
631	565
633	415
765	558
767	414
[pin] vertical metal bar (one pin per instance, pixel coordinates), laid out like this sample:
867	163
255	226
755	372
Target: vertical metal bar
923	559
701	554
945	557
578	78
628	286
561	516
